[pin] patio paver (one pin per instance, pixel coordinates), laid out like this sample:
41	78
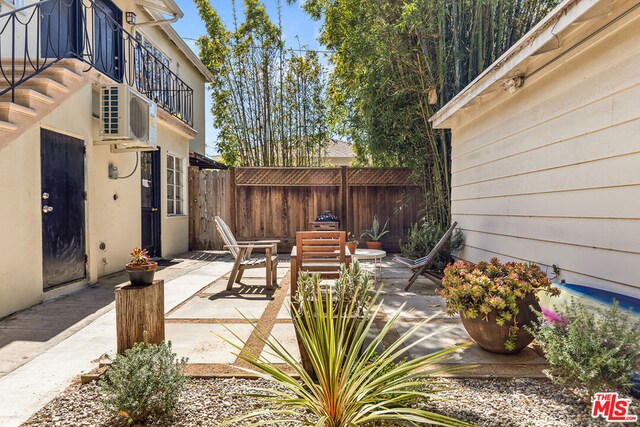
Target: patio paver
203	342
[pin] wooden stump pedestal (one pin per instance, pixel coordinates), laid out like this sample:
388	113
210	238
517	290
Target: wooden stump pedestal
139	309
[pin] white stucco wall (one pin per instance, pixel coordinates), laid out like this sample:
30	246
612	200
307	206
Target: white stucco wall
551	174
117	223
180	64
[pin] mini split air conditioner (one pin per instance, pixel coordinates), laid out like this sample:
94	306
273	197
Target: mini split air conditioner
128	120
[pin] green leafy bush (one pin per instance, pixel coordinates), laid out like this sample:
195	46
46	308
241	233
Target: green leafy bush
424	236
594	350
476	290
144	383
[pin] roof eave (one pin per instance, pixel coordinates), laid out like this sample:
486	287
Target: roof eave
555	22
175	37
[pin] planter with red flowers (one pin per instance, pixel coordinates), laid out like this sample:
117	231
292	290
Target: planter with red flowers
141	269
495	301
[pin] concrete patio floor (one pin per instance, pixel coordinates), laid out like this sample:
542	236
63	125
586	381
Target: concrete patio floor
196	326
45	348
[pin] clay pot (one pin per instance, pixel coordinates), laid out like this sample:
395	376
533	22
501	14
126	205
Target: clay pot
374	245
352	247
491	336
142	275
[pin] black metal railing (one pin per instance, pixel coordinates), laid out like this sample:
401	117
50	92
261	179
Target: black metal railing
37	36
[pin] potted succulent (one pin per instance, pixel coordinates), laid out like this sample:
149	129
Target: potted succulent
375	234
352	243
495	301
350	301
140	268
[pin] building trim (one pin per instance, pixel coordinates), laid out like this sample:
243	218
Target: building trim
546	31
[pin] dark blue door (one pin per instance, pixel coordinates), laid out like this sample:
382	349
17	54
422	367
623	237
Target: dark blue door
60	28
63	224
107	39
150	190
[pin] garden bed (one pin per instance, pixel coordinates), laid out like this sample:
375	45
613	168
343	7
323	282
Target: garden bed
494	403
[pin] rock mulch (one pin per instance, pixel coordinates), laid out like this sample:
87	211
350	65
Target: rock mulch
491	403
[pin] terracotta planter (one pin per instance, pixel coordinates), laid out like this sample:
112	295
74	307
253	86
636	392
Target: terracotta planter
374	245
491	337
142	275
352	247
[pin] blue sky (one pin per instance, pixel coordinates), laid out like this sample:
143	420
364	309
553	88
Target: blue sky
294	23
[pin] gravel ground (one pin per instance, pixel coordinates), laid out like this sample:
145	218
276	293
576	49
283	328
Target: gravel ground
491	403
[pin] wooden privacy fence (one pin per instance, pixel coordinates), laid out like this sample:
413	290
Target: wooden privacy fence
275	203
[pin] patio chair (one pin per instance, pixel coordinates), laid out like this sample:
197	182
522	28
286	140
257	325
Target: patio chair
241	251
319	252
420	266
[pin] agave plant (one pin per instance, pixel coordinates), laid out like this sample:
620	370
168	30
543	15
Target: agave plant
354	384
374	233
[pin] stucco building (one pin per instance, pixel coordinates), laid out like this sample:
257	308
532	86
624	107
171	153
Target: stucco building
74	204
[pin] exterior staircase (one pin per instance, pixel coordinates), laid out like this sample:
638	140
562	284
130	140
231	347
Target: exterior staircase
36	97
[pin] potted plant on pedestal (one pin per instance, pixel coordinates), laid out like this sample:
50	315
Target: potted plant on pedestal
375	234
347	303
495	301
141	269
352	243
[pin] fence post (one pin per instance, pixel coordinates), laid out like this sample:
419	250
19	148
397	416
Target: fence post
232	201
344	181
194	207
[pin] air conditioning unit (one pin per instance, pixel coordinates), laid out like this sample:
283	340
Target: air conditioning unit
128	119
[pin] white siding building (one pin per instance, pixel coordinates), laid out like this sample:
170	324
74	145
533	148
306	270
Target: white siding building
550	172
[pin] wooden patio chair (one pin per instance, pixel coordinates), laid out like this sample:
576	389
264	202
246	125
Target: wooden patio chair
319	252
419	266
241	251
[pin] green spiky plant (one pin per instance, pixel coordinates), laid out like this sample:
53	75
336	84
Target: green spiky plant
356	382
374	233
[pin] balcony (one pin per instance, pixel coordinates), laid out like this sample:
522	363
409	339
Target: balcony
35	37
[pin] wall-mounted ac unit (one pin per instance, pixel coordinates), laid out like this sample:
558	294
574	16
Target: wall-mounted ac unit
128	120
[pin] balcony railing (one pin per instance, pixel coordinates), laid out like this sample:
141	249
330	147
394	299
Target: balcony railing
37	36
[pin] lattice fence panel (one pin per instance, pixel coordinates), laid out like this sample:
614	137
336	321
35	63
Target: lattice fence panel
289	177
373	177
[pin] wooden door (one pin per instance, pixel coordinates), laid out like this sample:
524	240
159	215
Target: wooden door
63	208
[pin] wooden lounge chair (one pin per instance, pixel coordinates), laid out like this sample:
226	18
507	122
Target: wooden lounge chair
419	266
319	252
241	251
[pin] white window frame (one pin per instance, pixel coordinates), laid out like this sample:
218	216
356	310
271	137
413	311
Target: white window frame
13	5
178	189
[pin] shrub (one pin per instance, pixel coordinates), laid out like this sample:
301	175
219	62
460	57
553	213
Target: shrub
353	286
144	383
354	385
424	236
594	350
476	290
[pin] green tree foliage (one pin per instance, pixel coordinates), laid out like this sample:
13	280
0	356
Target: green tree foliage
395	63
268	102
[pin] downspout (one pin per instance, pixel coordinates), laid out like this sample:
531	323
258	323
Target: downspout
175	16
153	23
